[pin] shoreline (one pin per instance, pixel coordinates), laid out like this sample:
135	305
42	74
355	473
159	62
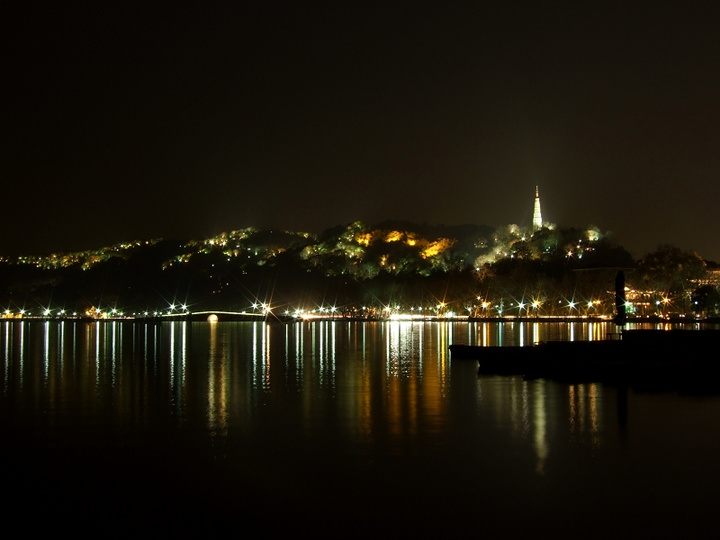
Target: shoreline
250	317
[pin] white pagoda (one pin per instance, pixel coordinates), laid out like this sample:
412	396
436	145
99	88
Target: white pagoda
537	215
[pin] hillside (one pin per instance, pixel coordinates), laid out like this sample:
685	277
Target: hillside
351	268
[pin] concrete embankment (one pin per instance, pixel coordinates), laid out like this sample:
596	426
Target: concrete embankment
641	358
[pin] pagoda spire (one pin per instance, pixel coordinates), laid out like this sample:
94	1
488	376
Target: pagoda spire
537	215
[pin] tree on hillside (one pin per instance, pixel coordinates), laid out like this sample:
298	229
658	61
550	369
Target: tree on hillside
670	273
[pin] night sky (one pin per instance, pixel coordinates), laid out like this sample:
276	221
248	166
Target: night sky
124	121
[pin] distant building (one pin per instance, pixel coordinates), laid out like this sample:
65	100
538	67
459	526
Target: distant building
537	215
712	277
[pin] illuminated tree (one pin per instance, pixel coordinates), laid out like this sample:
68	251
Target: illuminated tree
670	270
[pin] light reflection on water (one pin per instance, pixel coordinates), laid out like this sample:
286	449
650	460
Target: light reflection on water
389	365
403	368
339	408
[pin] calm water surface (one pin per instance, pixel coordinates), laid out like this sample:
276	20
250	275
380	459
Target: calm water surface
337	429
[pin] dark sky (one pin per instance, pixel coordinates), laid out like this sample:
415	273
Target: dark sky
131	121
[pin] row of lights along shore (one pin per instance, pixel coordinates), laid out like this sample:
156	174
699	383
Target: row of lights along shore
483	309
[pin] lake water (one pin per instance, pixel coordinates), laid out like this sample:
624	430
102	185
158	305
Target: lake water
337	429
